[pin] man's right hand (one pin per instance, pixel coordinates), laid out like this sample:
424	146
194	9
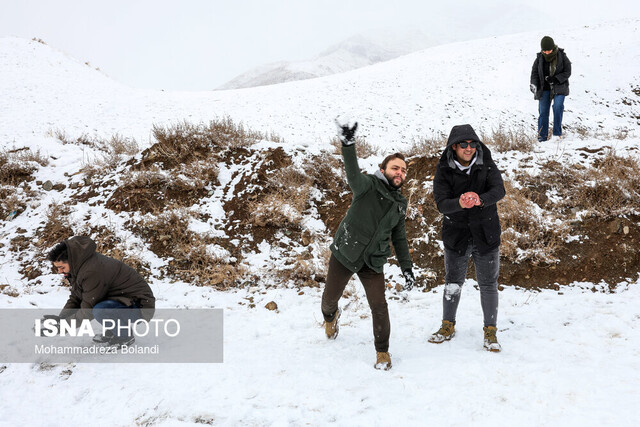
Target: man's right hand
409	279
533	88
346	131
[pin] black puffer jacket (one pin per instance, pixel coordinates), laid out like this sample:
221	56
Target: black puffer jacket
563	72
478	223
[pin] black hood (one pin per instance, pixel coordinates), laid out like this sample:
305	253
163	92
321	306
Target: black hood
462	133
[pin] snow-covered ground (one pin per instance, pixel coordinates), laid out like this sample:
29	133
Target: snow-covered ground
571	357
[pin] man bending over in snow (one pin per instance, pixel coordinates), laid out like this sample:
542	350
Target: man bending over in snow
103	288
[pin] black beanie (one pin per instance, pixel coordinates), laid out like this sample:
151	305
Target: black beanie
547	43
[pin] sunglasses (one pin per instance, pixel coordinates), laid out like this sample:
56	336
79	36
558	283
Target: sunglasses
468	144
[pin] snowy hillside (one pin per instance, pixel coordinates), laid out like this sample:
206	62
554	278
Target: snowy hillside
571	352
419	94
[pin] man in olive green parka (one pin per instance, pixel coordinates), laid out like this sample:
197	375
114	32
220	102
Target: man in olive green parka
361	244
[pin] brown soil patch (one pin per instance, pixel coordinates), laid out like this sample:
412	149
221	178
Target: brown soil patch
605	253
153	197
255	185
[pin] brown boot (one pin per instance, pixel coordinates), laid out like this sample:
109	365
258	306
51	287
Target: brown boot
445	333
490	339
332	328
383	360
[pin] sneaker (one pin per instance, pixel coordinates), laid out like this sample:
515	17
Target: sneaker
100	339
490	339
383	360
332	328
445	333
119	342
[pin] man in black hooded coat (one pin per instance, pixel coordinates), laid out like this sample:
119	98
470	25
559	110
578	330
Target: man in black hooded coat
466	188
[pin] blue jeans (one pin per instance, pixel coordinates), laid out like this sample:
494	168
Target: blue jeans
544	105
118	313
487	270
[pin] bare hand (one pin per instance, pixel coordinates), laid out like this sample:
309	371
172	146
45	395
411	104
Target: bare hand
469	200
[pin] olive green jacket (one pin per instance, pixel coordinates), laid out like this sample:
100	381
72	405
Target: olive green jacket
376	217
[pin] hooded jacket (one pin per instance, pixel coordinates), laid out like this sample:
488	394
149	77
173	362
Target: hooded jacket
95	277
562	73
376	217
480	223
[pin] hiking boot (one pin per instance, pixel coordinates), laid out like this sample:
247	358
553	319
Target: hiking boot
332	328
100	339
445	333
490	339
383	360
119	342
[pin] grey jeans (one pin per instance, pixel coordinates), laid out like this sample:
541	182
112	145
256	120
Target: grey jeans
487	270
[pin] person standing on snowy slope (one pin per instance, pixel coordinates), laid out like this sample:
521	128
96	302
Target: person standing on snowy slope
550	80
361	243
466	188
102	288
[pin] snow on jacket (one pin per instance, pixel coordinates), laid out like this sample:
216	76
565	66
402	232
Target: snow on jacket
478	223
376	217
563	72
95	277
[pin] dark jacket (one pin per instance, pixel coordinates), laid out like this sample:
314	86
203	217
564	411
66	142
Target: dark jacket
562	73
95	278
480	223
376	216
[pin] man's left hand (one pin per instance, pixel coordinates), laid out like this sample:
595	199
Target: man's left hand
409	279
55	318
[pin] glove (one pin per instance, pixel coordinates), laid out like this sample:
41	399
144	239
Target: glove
47	317
533	88
346	133
409	279
552	80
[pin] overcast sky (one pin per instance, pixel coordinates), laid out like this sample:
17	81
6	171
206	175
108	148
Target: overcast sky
200	44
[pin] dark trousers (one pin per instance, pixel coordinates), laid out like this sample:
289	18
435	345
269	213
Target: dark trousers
487	270
337	278
119	313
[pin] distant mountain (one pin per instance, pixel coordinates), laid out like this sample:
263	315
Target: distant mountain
355	52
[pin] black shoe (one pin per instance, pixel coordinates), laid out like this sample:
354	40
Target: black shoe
119	342
100	339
